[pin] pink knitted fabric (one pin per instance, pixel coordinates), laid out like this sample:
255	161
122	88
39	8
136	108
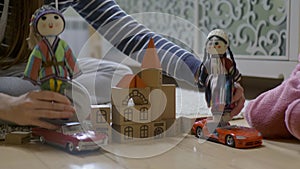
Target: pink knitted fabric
276	113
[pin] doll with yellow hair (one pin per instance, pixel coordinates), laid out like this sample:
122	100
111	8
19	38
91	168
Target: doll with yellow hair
51	63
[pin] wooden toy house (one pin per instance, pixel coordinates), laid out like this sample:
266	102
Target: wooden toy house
143	107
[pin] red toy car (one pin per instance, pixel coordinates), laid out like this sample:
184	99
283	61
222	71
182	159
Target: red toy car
231	135
71	137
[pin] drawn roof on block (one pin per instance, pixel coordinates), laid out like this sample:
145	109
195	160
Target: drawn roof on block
131	81
151	59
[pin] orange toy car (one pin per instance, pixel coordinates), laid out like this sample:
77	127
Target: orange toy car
231	135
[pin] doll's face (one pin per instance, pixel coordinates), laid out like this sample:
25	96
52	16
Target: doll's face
216	46
50	25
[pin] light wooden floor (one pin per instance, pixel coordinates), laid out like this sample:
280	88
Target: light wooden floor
171	153
187	153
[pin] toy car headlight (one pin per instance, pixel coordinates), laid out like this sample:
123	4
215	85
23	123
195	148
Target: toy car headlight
240	137
259	134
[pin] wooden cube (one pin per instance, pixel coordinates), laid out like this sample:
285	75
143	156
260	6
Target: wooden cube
100	114
17	137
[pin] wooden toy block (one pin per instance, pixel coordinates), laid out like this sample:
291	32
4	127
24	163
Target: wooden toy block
100	114
131	114
151	68
170	90
121	96
168	103
159	129
131	81
142	107
128	81
171	127
152	77
140	83
104	129
17	137
132	132
151	59
138	132
158	101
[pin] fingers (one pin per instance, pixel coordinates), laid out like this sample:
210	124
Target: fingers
36	118
238	93
50	96
44	124
48	105
239	105
30	108
52	114
47	100
55	106
238	100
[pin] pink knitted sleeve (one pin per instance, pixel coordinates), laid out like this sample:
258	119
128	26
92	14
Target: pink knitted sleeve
267	112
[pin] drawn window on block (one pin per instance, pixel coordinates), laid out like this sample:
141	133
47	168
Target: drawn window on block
144	131
158	132
128	114
137	97
128	133
130	103
101	116
144	113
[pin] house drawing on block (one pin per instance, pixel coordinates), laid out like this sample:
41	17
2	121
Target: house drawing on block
100	119
142	106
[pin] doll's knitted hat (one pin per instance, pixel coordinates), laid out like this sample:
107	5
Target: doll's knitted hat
45	9
219	33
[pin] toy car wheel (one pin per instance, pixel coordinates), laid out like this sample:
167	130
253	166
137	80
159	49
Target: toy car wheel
199	132
42	140
230	141
70	147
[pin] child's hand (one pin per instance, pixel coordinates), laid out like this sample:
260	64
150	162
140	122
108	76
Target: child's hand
29	108
238	99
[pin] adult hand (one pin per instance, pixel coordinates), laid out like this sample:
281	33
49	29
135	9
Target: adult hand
238	99
28	109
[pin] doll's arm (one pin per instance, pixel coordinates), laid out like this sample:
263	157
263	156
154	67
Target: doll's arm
71	62
32	69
